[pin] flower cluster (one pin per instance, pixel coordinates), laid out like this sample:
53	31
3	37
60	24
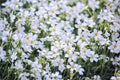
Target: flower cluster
60	39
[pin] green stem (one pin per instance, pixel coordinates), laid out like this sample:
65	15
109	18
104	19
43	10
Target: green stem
71	75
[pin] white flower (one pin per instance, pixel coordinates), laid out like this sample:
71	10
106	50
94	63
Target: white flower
56	76
96	34
114	28
3	23
5	35
93	57
116	60
36	69
20	21
13	4
93	4
15	37
56	46
23	13
14	56
113	78
47	67
71	57
54	53
79	7
45	53
65	25
69	49
115	36
23	76
81	44
20	30
79	69
90	22
105	15
24	56
36	66
71	27
72	67
18	65
85	51
29	40
2	54
114	47
19	33
60	63
97	77
53	11
12	17
42	12
104	41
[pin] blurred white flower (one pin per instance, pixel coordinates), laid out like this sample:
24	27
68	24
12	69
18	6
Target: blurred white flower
2	54
94	4
114	47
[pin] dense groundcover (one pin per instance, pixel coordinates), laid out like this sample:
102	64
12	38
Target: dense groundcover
59	39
